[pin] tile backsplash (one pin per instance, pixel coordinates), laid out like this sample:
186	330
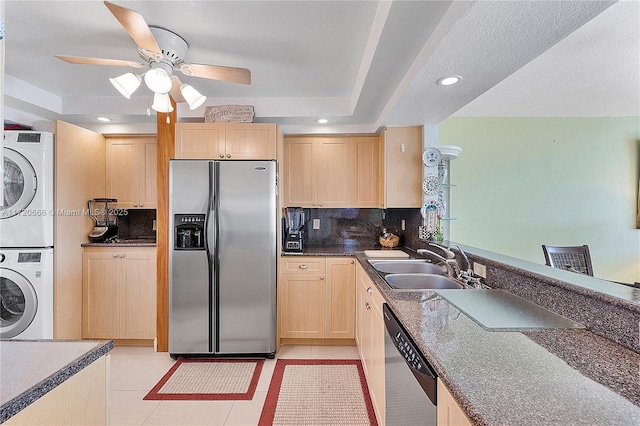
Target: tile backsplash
137	223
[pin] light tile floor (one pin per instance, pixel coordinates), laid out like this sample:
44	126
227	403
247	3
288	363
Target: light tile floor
135	370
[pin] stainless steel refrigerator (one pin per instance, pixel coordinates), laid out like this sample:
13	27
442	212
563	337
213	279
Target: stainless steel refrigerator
222	257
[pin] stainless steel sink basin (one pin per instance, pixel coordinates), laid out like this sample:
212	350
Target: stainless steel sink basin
422	282
409	267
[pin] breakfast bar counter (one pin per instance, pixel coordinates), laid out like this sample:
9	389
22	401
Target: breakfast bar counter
53	381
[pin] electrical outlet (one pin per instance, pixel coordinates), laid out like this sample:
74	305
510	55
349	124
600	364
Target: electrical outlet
479	269
402	225
155	225
316	223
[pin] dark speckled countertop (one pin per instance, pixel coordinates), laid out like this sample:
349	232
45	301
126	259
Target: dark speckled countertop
31	368
130	242
550	377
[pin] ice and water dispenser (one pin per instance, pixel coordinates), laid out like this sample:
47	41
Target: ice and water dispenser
189	232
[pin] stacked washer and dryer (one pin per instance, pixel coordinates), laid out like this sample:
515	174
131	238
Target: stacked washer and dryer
26	236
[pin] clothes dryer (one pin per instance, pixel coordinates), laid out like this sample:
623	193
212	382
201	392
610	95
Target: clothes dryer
26	202
26	294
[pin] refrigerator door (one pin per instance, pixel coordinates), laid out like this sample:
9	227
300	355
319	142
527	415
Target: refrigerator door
246	254
189	285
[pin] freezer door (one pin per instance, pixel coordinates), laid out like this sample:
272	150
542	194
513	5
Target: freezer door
189	285
247	256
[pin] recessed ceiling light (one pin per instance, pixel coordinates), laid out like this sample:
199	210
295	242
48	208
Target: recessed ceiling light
448	81
323	121
105	119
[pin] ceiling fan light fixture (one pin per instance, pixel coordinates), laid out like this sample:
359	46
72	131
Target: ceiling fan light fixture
158	80
192	96
126	84
162	103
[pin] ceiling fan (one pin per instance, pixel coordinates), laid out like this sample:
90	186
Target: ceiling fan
162	51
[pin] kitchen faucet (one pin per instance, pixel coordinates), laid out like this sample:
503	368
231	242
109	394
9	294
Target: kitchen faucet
464	255
453	269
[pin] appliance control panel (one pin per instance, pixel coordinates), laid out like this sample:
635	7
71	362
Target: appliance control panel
189	218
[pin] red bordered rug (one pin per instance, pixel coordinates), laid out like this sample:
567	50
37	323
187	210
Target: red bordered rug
318	392
209	379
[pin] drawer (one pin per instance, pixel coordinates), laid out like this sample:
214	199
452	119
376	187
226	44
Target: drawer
302	265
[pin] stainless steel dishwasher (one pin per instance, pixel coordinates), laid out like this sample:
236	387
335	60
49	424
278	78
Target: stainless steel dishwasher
410	382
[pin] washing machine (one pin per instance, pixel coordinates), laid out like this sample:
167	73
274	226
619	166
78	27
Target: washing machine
26	294
26	203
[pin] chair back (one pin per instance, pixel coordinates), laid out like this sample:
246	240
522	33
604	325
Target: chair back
571	258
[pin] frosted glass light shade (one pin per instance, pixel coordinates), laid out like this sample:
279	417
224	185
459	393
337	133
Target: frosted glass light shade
126	84
158	80
192	96
162	103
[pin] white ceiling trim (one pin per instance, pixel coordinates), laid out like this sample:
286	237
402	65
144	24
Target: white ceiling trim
377	26
26	92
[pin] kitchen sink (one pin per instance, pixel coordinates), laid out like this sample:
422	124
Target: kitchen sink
418	266
422	282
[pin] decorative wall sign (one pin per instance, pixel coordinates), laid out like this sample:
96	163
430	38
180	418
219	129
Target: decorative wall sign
229	113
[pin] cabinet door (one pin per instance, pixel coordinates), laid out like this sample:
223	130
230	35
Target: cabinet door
100	294
403	167
300	189
335	179
200	140
250	141
137	293
302	315
449	412
123	174
340	299
367	172
376	381
149	174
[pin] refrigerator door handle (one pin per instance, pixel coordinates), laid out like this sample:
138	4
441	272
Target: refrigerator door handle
215	279
209	244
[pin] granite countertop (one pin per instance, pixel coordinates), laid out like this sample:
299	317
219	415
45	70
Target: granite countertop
31	368
126	242
338	250
556	376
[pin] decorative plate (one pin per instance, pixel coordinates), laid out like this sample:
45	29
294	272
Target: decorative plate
431	156
431	185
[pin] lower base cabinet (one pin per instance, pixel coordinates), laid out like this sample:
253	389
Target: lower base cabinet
119	293
316	299
449	412
370	331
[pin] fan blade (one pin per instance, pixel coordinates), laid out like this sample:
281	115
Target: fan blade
216	72
137	28
175	92
100	61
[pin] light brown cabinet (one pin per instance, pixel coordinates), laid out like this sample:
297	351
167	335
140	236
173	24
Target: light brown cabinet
449	412
119	293
331	172
317	298
239	141
400	183
131	174
370	331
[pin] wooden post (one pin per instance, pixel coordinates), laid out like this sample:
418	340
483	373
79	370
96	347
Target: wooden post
166	151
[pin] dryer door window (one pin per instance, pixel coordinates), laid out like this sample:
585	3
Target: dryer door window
20	184
18	303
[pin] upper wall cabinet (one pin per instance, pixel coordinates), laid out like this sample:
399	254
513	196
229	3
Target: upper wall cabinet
331	172
131	175
401	167
235	141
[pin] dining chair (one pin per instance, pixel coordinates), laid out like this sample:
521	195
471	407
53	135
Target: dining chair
569	258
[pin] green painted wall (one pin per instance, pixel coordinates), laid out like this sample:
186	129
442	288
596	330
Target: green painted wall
524	182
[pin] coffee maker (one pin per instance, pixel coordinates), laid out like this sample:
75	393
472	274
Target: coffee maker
106	220
294	217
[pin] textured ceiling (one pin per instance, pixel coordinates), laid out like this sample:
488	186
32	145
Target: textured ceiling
361	64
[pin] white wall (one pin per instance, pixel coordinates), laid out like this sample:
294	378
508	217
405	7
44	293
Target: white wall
524	182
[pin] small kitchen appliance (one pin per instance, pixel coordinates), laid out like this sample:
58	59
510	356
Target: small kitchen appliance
105	217
294	227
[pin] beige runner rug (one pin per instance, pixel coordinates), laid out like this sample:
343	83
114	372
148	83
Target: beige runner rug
318	392
209	379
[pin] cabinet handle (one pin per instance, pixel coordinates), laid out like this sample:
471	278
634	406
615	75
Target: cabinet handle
221	155
369	290
135	205
351	262
302	266
228	155
121	256
141	205
366	305
321	277
115	255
